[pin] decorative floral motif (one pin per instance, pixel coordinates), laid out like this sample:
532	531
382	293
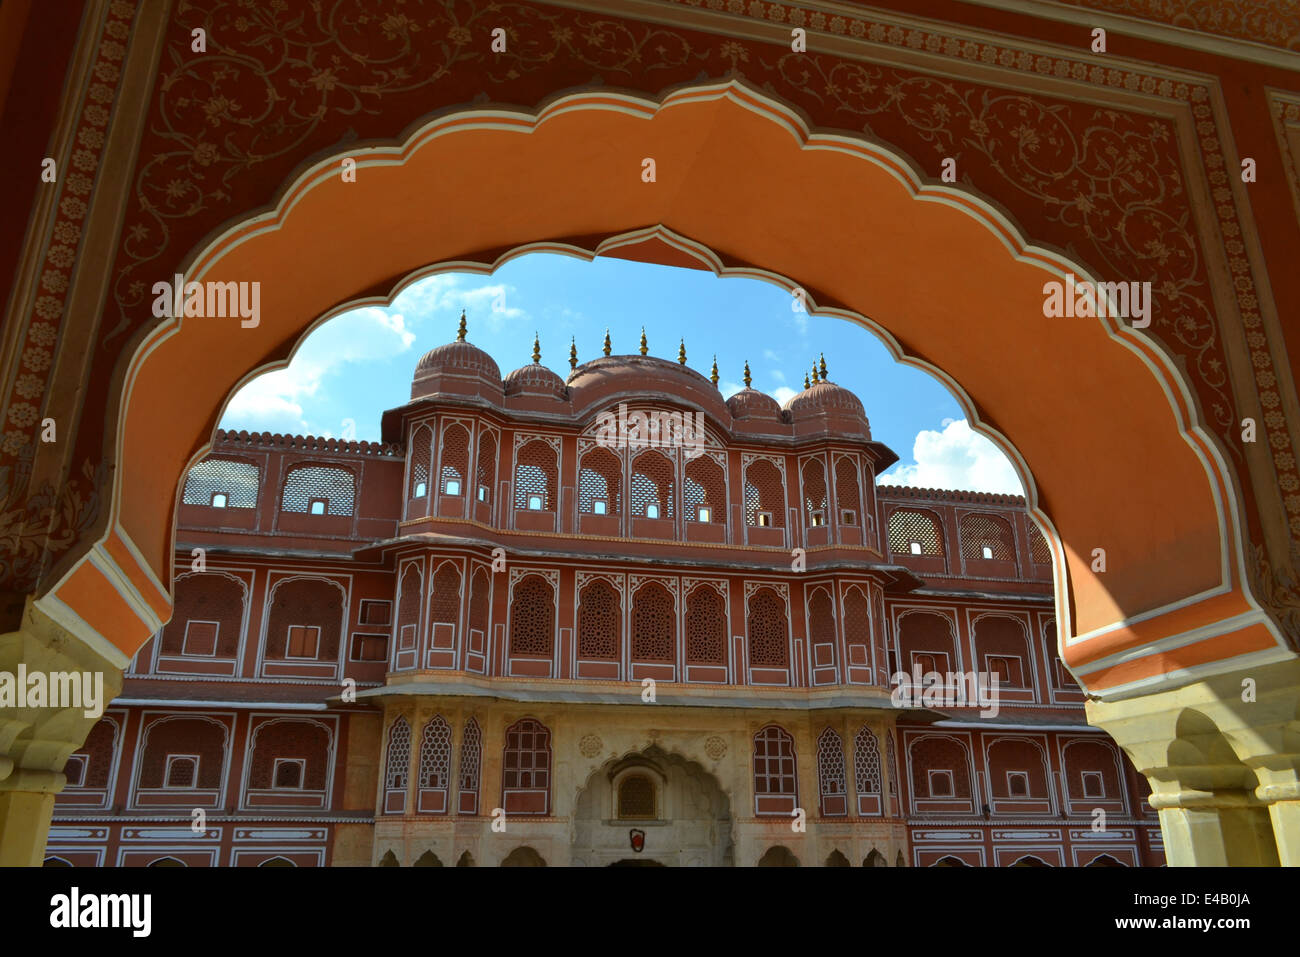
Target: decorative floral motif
590	745
715	746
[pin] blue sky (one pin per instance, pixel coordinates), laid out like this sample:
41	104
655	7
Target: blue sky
360	363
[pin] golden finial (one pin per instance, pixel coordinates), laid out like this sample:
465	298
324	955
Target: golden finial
537	349
681	353
608	344
460	333
822	370
573	353
747	378
644	348
806	383
714	374
814	372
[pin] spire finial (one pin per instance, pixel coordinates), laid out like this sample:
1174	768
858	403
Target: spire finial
537	349
644	347
573	353
460	333
747	376
714	374
822	370
806	383
608	344
814	372
681	353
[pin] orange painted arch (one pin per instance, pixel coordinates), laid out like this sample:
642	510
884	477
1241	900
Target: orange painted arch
1094	416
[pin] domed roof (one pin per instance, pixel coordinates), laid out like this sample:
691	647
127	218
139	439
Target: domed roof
457	356
534	379
751	404
824	397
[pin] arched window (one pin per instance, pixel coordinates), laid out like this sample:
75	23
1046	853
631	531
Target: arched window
224	483
208	620
277	862
764	495
857	628
830	774
526	768
471	755
637	798
480	610
914	533
893	766
305	620
769	644
814	493
289	755
532	618
653	486
821	628
600	483
183	753
487	466
421	456
776	787
397	767
1002	648
706	627
705	491
454	469
987	536
940	770
654	624
408	617
444	606
319	490
600	616
866	762
435	766
1017	770
92	763
1039	553
536	477
925	641
848	496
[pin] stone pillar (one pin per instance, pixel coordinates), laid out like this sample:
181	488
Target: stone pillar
35	742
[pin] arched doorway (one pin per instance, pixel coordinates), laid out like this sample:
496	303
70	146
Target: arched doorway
523	857
778	856
875	859
669	805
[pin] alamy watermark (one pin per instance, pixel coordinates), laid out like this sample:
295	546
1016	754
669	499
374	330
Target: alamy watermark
651	429
213	300
951	689
1123	300
53	689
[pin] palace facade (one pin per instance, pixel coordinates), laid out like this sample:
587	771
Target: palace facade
505	636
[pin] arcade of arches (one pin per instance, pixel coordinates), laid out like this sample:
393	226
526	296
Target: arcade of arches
1166	158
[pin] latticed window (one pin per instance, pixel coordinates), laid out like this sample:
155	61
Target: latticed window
987	536
230	483
774	763
599	618
487	466
814	491
408	608
636	798
444	599
455	460
536	477
821	618
480	602
764	495
857	618
941	755
471	758
1039	553
532	618
653	486
435	754
600	483
654	631
215	599
830	765
915	533
301	745
768	636
97	755
421	456
848	498
313	606
706	627
705	489
320	490
866	762
200	738
526	761
399	756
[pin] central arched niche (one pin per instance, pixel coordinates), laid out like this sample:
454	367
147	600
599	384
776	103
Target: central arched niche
1103	427
692	823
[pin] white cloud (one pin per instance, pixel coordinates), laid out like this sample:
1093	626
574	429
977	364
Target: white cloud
771	354
778	375
783	393
956	458
487	302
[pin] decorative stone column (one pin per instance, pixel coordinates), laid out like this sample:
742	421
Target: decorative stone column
35	742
